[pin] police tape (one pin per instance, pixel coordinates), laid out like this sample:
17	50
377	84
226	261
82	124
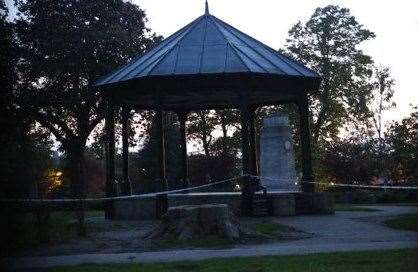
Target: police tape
332	184
74	200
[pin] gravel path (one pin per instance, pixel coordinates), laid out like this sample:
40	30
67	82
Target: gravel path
344	231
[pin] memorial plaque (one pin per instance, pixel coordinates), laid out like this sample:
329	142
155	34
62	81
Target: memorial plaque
277	160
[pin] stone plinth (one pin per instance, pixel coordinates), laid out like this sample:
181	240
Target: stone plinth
137	208
277	160
283	204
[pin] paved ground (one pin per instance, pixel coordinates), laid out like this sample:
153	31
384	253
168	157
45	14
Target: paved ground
344	231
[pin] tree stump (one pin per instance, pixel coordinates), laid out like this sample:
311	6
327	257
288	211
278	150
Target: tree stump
196	221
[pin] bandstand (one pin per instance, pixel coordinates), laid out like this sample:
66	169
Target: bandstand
207	64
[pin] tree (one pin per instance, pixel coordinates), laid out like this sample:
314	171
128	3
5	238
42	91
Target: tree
146	161
13	135
349	161
66	45
383	85
227	119
402	138
381	101
25	155
218	168
378	100
329	43
8	60
200	128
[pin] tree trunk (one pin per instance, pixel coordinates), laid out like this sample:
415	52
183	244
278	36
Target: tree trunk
76	166
206	147
194	222
205	136
317	127
224	135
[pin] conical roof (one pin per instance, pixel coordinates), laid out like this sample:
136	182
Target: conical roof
208	46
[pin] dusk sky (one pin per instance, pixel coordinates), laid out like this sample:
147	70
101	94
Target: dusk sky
395	24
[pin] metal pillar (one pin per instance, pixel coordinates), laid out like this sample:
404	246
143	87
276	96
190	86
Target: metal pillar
247	193
127	188
253	143
161	179
305	142
245	143
110	156
182	115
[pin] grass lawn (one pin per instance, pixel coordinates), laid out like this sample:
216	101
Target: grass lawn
353	208
270	227
365	261
62	226
404	222
264	227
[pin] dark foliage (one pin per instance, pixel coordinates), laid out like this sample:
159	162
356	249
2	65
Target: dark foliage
402	138
24	154
349	162
145	161
329	43
217	168
65	46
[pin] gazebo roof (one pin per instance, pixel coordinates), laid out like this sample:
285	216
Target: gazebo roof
208	46
208	55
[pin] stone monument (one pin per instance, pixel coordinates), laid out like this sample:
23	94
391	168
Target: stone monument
277	160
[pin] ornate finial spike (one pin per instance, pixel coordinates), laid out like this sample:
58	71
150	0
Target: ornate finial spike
207	8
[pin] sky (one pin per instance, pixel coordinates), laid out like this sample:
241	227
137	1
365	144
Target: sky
395	24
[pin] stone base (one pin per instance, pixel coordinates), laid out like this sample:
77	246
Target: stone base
282	203
272	186
314	203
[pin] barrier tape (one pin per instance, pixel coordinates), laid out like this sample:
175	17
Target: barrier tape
120	197
365	186
344	184
201	187
192	188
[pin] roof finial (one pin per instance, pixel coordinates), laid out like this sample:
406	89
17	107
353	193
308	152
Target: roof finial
206	8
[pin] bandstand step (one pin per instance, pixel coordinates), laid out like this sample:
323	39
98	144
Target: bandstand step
261	207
